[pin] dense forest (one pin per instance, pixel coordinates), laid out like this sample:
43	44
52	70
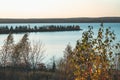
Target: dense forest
91	59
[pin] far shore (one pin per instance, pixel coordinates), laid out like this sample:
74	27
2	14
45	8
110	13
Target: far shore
62	20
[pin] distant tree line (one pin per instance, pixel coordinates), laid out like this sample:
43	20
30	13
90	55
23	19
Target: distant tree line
64	20
50	28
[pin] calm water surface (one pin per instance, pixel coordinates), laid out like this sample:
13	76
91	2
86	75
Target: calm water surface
56	42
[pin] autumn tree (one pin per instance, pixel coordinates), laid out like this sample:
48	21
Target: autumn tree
117	56
27	54
65	65
36	54
20	56
25	50
35	57
92	56
7	50
20	51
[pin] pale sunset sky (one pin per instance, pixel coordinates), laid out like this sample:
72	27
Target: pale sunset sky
59	8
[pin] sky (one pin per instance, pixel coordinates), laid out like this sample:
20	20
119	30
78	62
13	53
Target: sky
59	8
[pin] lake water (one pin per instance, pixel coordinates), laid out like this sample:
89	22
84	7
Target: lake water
56	42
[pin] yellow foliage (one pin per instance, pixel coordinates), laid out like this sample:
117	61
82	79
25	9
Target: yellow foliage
90	57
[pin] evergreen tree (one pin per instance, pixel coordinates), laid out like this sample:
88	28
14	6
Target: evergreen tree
53	65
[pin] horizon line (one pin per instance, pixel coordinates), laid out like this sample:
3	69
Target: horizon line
65	18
